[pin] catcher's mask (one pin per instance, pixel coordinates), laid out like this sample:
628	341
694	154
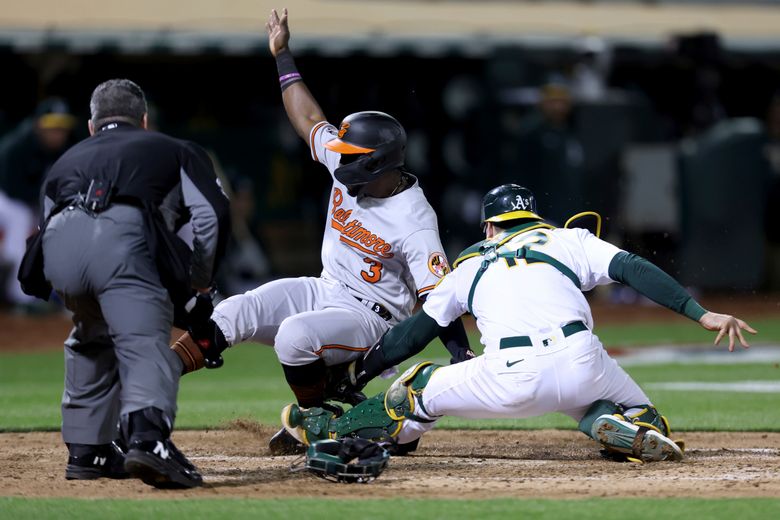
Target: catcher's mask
508	202
370	143
346	460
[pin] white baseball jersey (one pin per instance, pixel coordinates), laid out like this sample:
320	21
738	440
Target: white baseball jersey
375	251
525	298
385	250
550	371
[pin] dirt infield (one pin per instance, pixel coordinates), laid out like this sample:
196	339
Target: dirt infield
448	464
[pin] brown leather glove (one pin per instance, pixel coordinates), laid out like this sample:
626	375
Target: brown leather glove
190	353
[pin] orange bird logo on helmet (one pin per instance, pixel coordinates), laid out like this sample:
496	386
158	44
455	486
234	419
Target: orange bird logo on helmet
343	129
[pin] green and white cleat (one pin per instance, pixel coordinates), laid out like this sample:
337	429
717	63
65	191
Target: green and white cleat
638	443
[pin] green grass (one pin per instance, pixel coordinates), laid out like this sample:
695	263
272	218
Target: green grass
679	330
310	509
251	386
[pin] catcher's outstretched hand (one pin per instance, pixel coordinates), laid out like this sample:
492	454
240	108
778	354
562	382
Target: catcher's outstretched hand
278	31
726	325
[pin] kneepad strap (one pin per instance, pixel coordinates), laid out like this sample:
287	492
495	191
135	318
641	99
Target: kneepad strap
636	446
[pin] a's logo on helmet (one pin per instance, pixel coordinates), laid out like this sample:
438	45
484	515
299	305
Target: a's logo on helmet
343	129
521	203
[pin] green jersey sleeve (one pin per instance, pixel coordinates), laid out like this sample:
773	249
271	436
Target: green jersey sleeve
650	281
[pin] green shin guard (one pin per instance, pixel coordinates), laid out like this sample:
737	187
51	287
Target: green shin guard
368	420
378	418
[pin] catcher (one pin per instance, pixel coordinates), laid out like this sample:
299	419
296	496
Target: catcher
524	285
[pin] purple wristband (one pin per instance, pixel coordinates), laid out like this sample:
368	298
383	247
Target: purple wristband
288	73
292	75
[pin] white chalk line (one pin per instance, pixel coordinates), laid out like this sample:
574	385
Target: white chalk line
731	477
757	387
697	355
285	461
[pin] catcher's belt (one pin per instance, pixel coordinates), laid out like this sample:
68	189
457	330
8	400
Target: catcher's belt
526	341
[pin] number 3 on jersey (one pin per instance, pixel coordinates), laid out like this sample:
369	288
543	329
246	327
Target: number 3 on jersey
374	273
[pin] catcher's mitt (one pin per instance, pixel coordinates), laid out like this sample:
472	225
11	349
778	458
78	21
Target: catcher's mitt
346	460
190	353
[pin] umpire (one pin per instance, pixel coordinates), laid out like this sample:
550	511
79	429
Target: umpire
112	204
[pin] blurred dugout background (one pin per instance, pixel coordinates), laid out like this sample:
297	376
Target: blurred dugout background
662	115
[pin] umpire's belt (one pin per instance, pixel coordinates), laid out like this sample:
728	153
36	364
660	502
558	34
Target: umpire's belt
377	308
525	341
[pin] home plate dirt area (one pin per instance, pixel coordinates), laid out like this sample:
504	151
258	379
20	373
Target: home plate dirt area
469	464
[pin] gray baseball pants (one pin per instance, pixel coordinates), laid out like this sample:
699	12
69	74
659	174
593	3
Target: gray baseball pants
117	358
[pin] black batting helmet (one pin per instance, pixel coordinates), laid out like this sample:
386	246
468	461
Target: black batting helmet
508	202
370	143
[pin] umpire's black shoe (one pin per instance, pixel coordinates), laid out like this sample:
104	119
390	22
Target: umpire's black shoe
92	462
282	443
161	464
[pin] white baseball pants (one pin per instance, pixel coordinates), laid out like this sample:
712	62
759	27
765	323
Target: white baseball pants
524	382
305	319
